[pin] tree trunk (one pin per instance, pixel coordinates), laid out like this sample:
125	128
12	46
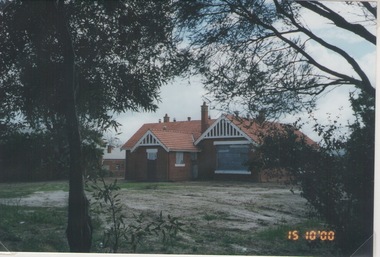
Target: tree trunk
79	230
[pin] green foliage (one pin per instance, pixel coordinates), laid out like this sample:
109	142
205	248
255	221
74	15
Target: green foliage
43	155
118	232
335	177
167	228
119	65
32	156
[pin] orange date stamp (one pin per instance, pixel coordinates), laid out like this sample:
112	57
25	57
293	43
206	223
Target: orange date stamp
311	235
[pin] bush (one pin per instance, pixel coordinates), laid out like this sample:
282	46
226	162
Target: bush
336	177
119	233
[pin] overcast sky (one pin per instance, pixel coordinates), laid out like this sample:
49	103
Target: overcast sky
183	97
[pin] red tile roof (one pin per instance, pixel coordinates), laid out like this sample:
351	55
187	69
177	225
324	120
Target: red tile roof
176	141
256	130
173	134
181	135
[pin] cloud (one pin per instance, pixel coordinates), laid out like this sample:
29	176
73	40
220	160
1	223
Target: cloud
181	98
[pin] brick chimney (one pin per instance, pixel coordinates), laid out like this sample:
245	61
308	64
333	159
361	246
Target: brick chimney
166	118
204	117
261	116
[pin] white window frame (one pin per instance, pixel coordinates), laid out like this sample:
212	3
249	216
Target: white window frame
149	153
240	142
179	159
236	142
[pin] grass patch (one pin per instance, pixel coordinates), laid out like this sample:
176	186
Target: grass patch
147	185
14	190
275	240
271	240
209	217
33	229
219	215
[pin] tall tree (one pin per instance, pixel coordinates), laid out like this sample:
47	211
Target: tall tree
73	62
259	52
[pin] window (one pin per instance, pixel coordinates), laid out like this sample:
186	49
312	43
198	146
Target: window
151	154
232	159
179	161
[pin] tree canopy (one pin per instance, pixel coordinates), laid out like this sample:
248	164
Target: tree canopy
259	52
72	63
124	51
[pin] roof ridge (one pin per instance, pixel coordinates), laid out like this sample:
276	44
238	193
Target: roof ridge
171	130
177	121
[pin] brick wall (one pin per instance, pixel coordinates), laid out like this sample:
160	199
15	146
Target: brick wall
181	173
137	164
115	166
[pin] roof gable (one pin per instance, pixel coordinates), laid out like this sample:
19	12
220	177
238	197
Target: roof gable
257	130
149	139
223	128
185	135
173	136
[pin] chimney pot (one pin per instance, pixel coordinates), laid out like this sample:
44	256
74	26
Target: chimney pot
261	117
174	120
109	148
204	117
188	118
159	120
166	118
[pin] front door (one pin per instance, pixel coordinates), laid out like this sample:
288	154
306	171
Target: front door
194	166
152	170
151	164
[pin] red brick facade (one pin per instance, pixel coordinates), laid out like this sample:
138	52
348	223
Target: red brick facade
115	166
205	149
164	168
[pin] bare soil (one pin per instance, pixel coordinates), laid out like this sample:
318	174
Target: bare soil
245	203
203	206
243	206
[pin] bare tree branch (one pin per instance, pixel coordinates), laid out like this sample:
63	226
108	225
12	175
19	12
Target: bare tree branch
339	21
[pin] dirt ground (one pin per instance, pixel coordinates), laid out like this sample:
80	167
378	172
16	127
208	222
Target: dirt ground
239	206
245	203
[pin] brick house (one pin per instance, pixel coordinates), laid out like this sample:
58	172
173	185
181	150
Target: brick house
192	149
114	161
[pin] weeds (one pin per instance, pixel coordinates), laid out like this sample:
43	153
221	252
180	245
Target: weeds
32	229
119	233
